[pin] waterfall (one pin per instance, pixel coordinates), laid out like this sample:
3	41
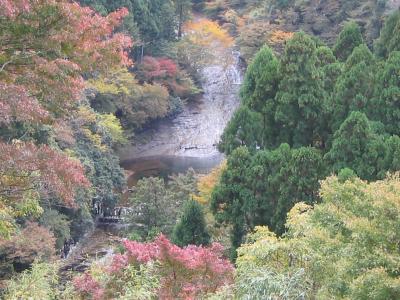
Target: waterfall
233	72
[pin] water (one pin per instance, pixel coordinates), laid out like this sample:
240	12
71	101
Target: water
196	131
170	146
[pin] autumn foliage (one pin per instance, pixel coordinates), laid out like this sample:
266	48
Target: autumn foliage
166	72
45	47
206	32
33	242
155	68
186	273
279	36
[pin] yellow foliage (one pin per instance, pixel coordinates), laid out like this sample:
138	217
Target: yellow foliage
117	81
206	184
114	128
86	114
348	242
205	32
94	138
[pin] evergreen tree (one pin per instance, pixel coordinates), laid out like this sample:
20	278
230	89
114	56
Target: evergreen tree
261	81
260	189
182	11
253	123
355	86
232	199
301	101
330	68
244	129
389	39
357	147
259	89
386	103
191	228
349	38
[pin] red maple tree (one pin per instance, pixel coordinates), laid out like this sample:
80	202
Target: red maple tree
45	47
186	273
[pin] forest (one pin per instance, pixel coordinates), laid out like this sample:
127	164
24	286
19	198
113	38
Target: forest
104	189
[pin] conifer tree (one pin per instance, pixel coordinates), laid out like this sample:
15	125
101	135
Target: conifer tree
348	39
355	86
387	94
357	147
389	39
301	100
191	228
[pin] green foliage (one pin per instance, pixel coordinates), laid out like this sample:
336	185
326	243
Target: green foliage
191	228
259	89
285	101
58	224
354	144
342	247
244	129
355	86
93	148
157	204
389	39
150	199
300	101
39	283
385	103
262	188
349	38
119	93
113	127
347	110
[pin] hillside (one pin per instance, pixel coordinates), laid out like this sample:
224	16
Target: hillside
253	23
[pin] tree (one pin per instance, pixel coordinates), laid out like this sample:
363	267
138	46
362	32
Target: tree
191	228
260	189
389	39
244	129
301	101
45	47
385	106
206	184
58	224
185	273
356	146
194	49
341	248
355	86
34	242
151	204
29	172
183	8
120	93
258	91
39	283
349	38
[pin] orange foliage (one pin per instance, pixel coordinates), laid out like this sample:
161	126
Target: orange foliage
279	36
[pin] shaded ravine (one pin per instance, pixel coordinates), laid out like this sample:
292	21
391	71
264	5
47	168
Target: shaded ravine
170	146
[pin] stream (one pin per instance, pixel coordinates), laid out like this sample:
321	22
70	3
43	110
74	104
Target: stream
189	140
